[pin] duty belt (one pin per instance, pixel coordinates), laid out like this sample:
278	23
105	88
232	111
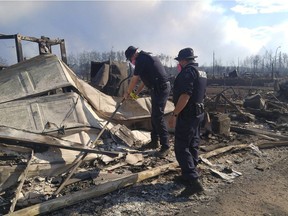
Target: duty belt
164	85
199	108
161	86
200	105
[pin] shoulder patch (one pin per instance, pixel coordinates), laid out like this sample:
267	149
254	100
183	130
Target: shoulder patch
202	74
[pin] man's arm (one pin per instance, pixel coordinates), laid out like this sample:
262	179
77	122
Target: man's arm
131	86
181	103
139	89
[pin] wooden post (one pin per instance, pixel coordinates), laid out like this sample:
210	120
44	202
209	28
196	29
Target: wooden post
19	50
22	180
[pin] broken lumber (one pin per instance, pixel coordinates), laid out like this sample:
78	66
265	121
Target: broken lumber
21	183
81	159
97	190
254	131
272	144
223	150
10	174
15	136
246	116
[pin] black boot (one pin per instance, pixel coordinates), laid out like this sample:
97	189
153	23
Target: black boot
193	187
181	180
162	153
150	145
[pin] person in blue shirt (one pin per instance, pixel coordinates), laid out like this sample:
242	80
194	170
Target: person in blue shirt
152	74
188	96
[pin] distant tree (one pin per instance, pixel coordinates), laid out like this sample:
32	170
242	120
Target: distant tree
95	56
284	64
285	61
120	56
268	62
166	60
256	63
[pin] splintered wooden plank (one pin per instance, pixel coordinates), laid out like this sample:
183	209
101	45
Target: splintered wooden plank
22	178
16	137
254	131
222	150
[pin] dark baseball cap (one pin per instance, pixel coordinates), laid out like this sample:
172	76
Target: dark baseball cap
130	51
186	53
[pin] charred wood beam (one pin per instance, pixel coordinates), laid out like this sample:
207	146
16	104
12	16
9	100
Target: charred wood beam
63	52
49	42
14	136
231	104
221	93
246	116
19	50
14	171
42	39
256	132
21	183
2	36
272	144
271	115
8	157
225	149
282	107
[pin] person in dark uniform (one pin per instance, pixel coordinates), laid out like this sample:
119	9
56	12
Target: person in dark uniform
188	96
152	73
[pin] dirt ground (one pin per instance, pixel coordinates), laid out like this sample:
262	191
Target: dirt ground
257	192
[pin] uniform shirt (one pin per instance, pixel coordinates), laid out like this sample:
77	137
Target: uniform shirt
150	70
190	81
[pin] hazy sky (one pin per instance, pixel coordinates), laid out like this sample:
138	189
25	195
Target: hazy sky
232	29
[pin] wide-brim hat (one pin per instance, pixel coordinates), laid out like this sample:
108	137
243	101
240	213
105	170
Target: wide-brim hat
187	53
130	52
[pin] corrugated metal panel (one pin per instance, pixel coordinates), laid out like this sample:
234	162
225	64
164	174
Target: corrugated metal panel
69	110
34	76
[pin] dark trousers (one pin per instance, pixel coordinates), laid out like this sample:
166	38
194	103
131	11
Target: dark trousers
159	97
187	137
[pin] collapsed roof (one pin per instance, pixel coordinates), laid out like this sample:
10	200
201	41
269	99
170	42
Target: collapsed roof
46	75
44	96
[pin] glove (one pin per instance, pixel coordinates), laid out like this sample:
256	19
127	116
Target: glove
134	96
